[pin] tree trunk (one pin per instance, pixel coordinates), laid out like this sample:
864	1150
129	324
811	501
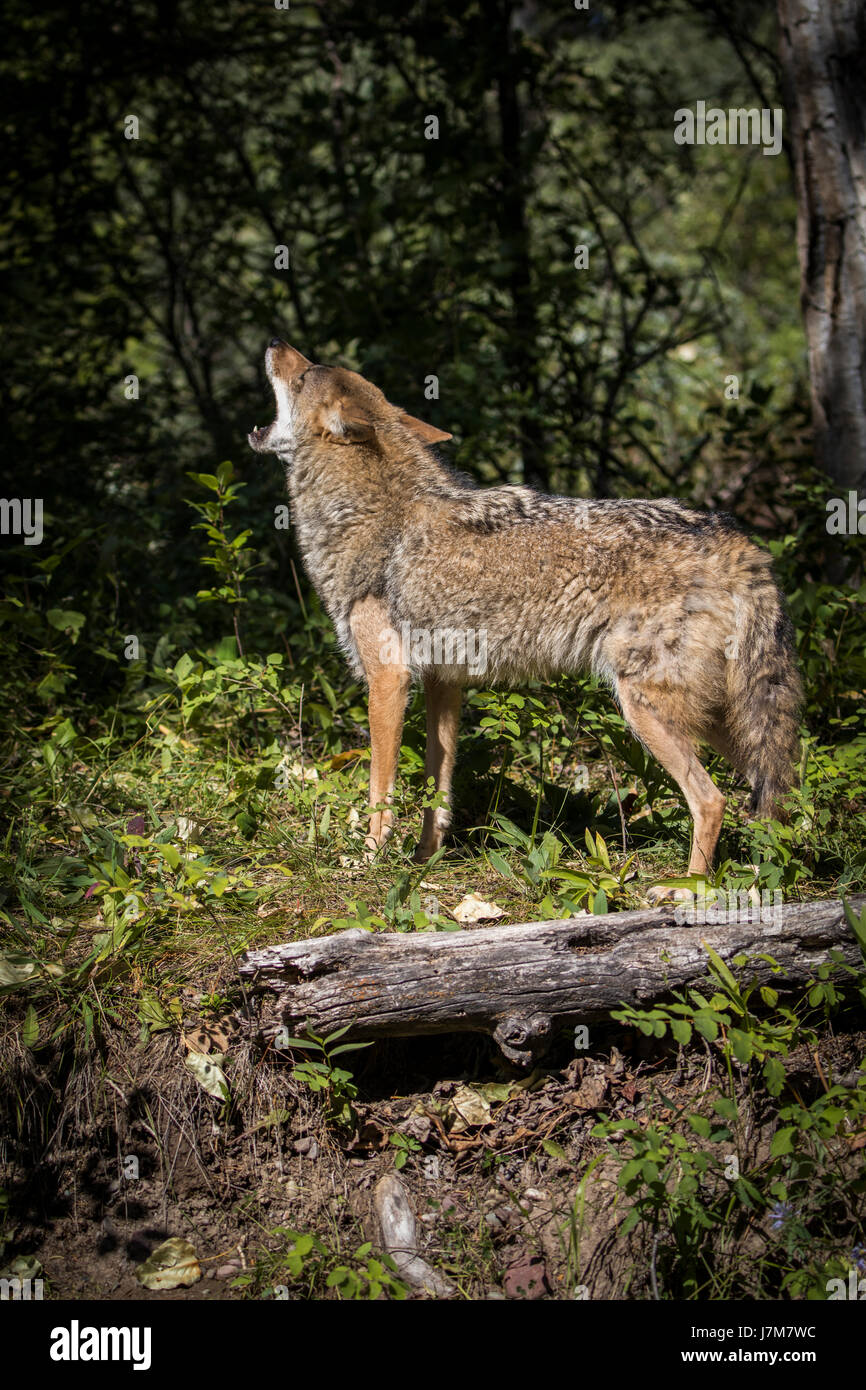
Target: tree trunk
823	52
522	348
523	981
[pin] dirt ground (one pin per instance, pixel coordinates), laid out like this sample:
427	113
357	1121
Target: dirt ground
110	1153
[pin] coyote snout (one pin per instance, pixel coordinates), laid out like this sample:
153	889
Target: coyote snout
328	404
674	608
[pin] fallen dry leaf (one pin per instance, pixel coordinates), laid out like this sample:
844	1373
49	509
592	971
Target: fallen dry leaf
473	908
172	1265
302	772
351	755
590	1094
469	1109
209	1076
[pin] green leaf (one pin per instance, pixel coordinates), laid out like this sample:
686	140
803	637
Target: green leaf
66	620
629	1171
782	1141
205	480
725	1107
857	925
555	1150
30	1028
707	1026
742	1044
721	969
682	1030
338	1033
500	865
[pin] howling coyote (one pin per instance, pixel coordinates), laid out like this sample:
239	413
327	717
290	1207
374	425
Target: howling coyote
427	576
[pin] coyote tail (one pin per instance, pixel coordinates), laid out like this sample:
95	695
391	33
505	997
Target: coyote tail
764	698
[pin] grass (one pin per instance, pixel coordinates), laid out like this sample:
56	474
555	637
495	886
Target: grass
167	811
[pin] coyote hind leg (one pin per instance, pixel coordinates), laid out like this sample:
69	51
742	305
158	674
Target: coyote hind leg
675	752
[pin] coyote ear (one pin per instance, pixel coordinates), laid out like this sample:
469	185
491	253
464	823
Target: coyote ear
345	422
428	434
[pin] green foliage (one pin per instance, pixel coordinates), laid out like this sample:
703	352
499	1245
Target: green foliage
695	1184
589	888
335	1083
405	1146
229	556
306	1267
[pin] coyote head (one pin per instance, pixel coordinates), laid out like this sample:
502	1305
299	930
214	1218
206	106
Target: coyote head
328	404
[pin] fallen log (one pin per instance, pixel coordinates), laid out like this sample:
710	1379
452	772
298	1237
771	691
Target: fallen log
522	982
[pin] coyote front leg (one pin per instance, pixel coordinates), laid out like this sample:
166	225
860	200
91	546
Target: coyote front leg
443	717
388	692
388	683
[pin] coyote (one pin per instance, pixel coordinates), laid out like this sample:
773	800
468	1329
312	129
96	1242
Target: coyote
674	608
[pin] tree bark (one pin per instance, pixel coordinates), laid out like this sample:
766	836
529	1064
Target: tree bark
522	348
522	982
823	52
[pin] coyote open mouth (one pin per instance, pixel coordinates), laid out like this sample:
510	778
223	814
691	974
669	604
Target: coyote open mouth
259	437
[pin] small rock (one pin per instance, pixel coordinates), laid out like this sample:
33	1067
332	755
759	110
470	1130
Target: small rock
526	1277
228	1271
398	1229
306	1146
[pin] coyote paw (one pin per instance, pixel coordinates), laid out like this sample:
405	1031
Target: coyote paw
424	852
373	847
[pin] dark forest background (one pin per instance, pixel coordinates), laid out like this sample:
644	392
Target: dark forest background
585	304
409	257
